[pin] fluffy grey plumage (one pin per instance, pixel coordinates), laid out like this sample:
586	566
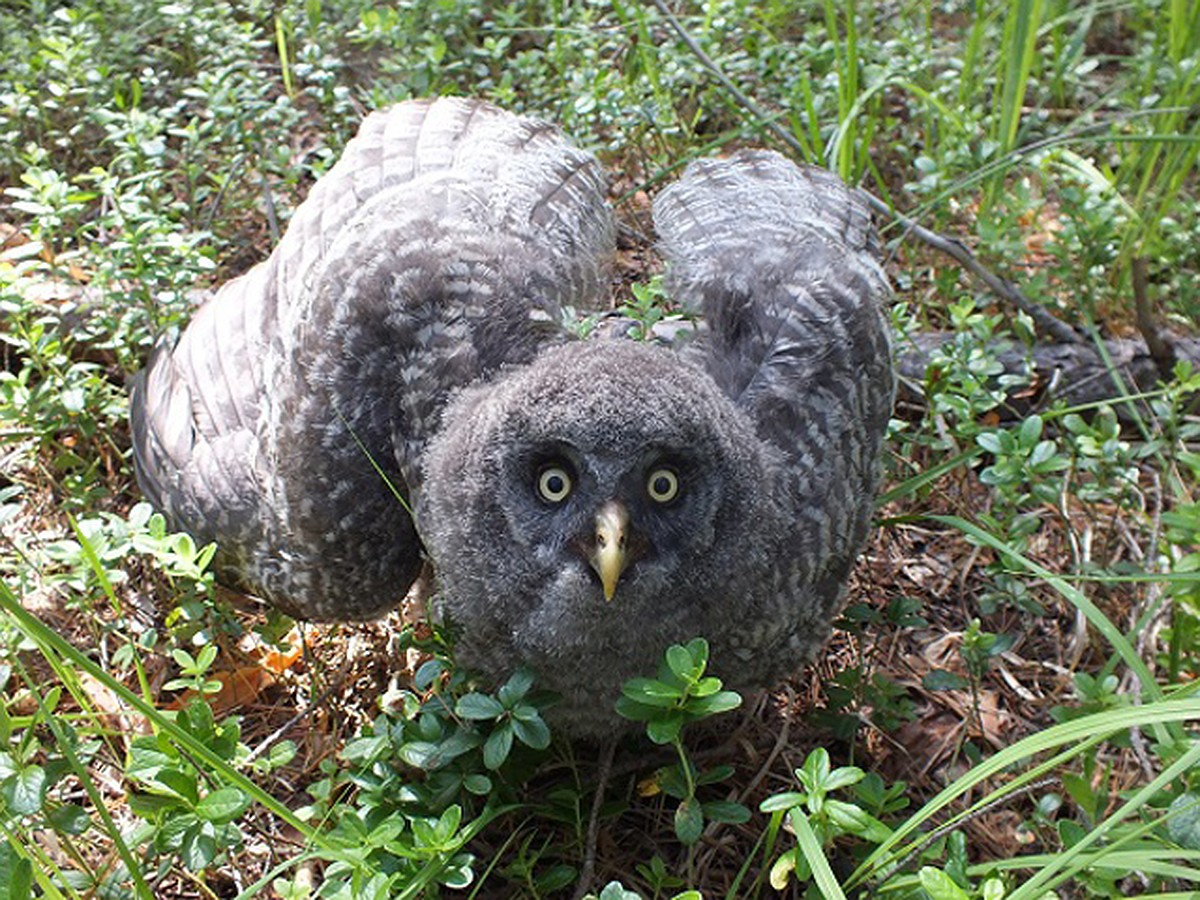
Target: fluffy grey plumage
407	324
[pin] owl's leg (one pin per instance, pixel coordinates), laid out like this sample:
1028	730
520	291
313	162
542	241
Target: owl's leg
587	872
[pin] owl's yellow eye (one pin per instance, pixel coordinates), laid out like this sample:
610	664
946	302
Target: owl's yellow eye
554	484
662	485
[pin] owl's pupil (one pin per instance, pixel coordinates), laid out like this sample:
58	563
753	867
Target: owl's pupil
554	484
662	485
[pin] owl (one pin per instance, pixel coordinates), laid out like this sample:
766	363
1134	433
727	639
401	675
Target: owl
398	381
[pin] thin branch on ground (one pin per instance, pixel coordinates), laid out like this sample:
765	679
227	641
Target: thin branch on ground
588	871
1156	341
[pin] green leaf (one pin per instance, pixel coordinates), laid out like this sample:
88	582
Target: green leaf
634	711
70	818
1031	429
174	831
199	847
726	812
16	875
614	890
715	775
447	825
853	820
556	878
940	886
516	687
841	777
666	729
208	653
714	704
944	680
479	707
223	805
689	822
479	785
458	874
651	692
532	732
784	801
432	755
25	792
497	747
673	782
365	749
182	784
1184	824
990	442
815	770
681	663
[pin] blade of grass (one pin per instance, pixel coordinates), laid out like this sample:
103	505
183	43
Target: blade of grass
1077	736
1068	863
1020	41
65	746
822	874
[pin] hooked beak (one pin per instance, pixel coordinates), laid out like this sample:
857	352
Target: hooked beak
609	556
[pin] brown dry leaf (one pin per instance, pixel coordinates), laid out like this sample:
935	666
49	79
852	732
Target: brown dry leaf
279	661
926	741
993	720
942	652
239	687
920	573
10	236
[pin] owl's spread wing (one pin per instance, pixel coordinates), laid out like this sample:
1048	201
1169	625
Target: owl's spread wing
441	246
780	262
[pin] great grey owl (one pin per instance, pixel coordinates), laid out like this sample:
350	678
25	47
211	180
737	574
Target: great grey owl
585	503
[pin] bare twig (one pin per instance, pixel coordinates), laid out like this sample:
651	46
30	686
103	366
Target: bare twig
588	871
1161	351
952	247
267	742
269	201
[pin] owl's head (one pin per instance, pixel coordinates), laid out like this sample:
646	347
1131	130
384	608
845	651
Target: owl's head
606	495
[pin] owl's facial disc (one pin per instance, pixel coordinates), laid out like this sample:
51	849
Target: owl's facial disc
609	555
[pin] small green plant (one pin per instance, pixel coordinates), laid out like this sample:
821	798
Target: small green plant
966	379
511	717
812	813
979	648
680	695
424	777
649	306
856	693
185	817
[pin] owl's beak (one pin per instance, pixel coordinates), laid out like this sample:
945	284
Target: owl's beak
608	556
